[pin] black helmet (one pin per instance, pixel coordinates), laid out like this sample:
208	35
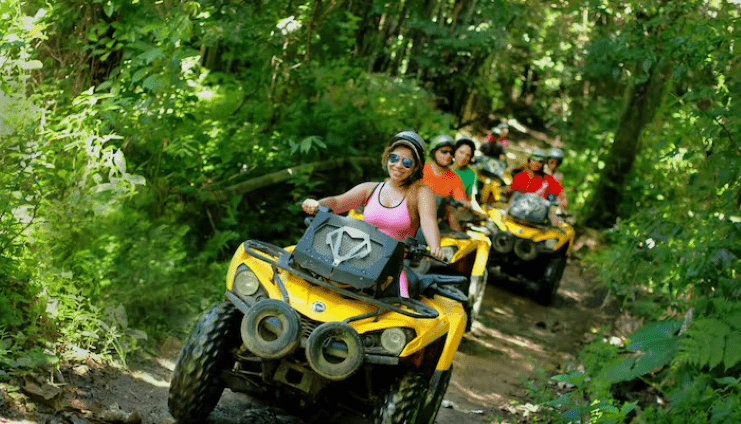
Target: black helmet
466	141
441	141
412	140
556	153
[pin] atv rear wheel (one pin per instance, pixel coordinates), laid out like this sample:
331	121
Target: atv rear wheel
403	402
196	382
551	278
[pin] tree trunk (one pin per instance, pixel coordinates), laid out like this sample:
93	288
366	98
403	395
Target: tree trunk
280	177
641	104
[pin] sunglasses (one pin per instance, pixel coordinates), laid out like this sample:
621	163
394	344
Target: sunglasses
446	151
540	161
406	162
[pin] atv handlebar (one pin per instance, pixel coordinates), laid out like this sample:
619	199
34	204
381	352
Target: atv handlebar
416	251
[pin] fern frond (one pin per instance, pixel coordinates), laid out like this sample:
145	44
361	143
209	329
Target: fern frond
732	355
705	344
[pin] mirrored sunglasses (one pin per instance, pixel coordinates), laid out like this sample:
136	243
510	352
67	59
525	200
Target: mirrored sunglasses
405	162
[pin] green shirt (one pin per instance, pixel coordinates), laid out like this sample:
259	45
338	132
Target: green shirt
468	176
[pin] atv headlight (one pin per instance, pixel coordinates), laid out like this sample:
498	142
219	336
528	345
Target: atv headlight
245	282
393	340
449	252
551	243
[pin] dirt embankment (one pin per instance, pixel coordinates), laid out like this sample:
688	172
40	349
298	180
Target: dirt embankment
515	338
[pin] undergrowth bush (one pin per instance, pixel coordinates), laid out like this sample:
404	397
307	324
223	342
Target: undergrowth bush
108	239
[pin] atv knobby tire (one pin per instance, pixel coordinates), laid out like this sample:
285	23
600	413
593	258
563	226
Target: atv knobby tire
477	295
196	384
403	402
433	400
551	278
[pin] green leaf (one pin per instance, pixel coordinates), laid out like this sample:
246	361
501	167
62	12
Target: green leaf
732	355
653	334
152	54
108	8
656	358
139	74
154	82
620	370
727	381
306	145
574	378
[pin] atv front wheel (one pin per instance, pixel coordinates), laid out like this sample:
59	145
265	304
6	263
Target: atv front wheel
403	402
438	388
196	383
551	278
476	295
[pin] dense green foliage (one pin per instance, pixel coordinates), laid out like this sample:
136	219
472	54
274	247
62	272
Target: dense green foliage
132	135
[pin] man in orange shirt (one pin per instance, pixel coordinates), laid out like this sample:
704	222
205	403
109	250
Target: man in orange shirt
443	181
437	173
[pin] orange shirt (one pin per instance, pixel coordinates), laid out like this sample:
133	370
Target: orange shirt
448	184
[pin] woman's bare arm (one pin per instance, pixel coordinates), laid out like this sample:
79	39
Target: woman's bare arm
341	203
428	220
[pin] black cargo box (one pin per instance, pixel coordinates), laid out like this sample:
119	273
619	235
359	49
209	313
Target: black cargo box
349	251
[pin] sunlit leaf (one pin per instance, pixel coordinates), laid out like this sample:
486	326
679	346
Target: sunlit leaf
31	65
653	335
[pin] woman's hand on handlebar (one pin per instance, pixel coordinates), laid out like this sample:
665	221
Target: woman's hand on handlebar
310	206
437	252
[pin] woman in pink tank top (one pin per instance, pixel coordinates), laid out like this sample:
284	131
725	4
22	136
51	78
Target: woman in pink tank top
400	204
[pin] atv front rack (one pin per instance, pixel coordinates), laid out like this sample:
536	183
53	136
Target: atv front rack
266	252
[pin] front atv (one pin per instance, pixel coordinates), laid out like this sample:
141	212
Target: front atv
320	325
528	246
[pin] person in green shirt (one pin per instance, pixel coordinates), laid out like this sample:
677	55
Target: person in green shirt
464	150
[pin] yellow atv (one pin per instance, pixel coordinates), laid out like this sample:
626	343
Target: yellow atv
320	325
466	254
527	246
492	177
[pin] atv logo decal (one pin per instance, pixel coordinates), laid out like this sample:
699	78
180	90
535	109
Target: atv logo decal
318	307
358	247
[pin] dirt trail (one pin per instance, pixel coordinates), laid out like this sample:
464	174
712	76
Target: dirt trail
516	337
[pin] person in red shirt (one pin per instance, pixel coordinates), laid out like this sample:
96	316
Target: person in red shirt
535	180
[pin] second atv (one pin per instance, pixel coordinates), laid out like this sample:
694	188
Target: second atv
528	246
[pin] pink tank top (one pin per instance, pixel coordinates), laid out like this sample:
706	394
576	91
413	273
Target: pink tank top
395	222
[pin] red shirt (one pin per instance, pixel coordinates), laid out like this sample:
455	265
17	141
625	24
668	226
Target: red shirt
449	184
528	182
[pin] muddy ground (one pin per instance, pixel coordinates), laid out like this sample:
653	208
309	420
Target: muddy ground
515	338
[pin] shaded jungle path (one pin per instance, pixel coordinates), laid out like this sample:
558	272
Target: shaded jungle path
515	338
